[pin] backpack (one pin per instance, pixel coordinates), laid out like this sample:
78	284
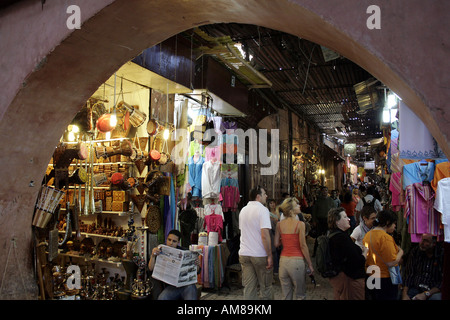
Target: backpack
368	204
324	265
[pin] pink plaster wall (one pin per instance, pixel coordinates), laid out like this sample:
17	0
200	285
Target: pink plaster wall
409	54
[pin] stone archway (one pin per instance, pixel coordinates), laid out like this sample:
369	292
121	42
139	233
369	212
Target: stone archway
44	82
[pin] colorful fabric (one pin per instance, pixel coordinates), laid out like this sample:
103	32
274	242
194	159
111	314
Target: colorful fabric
441	171
420	213
195	175
211	179
214	223
415	141
230	198
395	187
442	205
417	172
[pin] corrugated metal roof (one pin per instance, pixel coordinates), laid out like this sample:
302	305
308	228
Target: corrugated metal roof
312	80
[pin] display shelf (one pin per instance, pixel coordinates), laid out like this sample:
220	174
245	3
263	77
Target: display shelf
87	259
118	213
95	235
100	163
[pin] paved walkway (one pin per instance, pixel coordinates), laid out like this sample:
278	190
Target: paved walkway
322	290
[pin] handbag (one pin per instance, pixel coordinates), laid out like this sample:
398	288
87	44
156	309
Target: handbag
394	272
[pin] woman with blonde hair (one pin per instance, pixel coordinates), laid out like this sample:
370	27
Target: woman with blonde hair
290	233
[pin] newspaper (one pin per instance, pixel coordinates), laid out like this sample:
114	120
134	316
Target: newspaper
176	267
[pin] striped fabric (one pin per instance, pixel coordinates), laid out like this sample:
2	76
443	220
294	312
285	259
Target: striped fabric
419	212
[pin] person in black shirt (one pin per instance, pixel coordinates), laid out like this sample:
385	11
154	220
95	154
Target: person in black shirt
423	272
348	257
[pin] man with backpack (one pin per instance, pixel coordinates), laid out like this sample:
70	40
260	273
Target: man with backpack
368	200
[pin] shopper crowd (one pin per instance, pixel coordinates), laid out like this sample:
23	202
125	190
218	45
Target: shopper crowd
364	242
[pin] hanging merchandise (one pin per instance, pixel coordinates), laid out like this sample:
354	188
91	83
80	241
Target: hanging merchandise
442	170
415	141
136	117
422	218
152	127
442	205
195	166
395	187
125	148
211	176
48	200
417	172
153	218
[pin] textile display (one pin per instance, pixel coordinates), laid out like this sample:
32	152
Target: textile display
212	274
415	141
195	175
211	179
395	187
419	212
417	172
441	171
442	205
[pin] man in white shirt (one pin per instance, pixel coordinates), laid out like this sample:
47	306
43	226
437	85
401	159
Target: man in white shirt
368	198
255	253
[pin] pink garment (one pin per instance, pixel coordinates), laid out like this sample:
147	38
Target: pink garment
213	152
396	188
230	197
419	210
214	223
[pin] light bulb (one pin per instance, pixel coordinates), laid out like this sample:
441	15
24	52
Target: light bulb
75	129
166	134
108	135
113	120
71	136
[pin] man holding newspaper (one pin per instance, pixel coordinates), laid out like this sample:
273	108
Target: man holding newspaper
176	267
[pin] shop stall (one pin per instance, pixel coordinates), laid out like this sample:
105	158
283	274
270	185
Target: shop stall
135	163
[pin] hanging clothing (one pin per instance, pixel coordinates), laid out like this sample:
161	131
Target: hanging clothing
213	209
212	153
229	143
442	205
195	175
214	223
230	198
393	148
228	125
230	171
211	179
195	146
395	186
420	213
441	171
417	172
415	141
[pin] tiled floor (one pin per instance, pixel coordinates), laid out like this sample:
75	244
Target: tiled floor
322	290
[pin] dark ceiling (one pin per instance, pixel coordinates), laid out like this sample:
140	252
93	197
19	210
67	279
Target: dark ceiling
312	81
